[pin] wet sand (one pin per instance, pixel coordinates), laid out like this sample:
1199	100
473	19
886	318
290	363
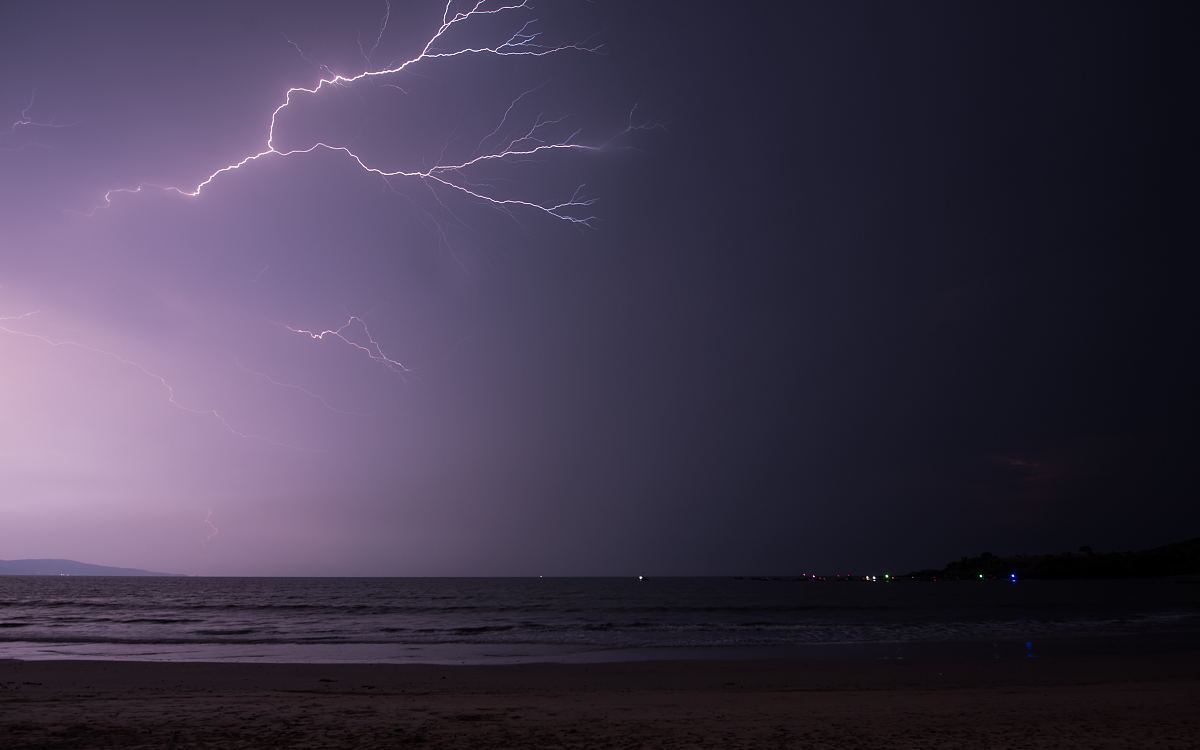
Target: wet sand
1089	700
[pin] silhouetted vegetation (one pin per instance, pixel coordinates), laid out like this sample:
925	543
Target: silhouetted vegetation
1181	558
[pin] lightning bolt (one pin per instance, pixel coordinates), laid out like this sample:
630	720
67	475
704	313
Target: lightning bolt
507	112
293	387
25	121
387	13
211	529
323	68
21	316
543	138
167	386
355	324
448	176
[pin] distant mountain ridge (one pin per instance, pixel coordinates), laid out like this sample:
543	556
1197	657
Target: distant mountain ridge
67	568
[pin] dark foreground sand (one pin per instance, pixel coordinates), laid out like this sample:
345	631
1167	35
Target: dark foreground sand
1081	701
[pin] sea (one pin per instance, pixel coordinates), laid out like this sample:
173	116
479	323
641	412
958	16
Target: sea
512	620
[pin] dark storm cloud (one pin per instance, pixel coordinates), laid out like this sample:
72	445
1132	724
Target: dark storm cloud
897	282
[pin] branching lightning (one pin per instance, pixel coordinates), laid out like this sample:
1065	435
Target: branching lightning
367	54
293	387
21	316
26	121
448	176
460	176
345	333
210	529
325	69
167	386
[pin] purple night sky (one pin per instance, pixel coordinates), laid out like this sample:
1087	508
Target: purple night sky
866	297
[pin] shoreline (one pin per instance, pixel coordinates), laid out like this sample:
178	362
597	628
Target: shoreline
1069	698
509	653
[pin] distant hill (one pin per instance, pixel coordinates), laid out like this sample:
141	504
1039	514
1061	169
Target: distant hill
1178	559
66	568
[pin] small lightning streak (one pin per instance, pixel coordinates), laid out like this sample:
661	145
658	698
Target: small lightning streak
387	13
299	51
211	529
371	348
293	387
21	316
25	120
522	42
172	399
323	68
507	112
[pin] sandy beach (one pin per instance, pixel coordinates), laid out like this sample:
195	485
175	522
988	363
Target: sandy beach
1069	701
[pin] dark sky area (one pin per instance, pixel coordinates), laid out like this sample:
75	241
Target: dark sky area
893	283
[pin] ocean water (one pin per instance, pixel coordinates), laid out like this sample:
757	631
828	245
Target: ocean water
448	620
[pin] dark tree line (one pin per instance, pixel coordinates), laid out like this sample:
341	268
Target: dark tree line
1181	558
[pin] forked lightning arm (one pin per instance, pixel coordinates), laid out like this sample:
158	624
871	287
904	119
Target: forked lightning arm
371	348
166	384
294	387
26	119
210	529
451	175
523	42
